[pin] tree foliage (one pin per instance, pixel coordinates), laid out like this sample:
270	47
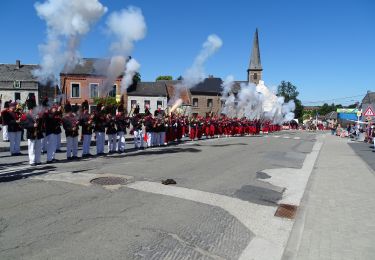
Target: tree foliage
289	92
106	101
136	78
166	77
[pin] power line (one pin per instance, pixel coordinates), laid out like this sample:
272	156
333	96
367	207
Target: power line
334	99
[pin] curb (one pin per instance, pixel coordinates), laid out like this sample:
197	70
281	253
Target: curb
292	247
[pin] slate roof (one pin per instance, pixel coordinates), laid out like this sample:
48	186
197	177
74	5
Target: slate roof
208	86
369	98
148	89
88	66
10	72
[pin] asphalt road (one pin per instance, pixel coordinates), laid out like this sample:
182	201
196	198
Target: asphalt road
53	212
365	151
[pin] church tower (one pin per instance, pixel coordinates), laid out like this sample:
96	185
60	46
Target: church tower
254	72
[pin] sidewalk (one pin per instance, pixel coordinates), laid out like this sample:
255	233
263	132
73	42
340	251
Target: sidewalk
337	217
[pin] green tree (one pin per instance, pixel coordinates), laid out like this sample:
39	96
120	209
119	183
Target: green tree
105	101
136	78
289	92
164	78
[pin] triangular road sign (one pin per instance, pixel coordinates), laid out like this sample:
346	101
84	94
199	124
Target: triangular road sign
369	112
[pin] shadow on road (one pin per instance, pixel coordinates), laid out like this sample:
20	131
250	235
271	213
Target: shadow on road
163	150
25	173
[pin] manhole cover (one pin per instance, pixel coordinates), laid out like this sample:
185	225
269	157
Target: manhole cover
286	211
109	181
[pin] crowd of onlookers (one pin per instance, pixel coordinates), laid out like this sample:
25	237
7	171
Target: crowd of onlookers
362	131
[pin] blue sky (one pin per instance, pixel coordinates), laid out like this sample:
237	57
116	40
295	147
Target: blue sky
325	48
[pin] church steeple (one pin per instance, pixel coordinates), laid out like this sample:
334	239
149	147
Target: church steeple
254	72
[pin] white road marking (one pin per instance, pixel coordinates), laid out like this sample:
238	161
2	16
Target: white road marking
294	180
286	137
276	136
297	138
271	232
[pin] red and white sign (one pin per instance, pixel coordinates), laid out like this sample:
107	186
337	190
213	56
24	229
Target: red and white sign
369	112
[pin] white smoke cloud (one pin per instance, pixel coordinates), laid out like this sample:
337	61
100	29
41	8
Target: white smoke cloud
67	22
131	68
128	26
115	68
255	102
195	74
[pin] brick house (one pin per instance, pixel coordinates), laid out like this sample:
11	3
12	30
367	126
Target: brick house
17	83
206	97
86	81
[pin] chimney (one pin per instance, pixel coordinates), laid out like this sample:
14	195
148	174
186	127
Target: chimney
18	64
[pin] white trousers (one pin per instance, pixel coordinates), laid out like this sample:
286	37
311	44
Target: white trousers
58	141
150	136
14	141
161	138
35	150
51	146
111	142
71	146
121	142
5	133
100	139
86	144
138	138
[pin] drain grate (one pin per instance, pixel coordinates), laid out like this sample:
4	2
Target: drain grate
109	181
286	211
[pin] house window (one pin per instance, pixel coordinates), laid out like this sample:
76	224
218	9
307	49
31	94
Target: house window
75	90
94	90
17	96
147	104
112	93
209	102
255	76
195	102
17	84
159	103
133	103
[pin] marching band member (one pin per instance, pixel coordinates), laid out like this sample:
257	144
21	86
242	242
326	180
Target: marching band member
50	126
33	124
137	131
99	128
14	129
122	122
111	133
70	125
58	117
86	123
4	122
